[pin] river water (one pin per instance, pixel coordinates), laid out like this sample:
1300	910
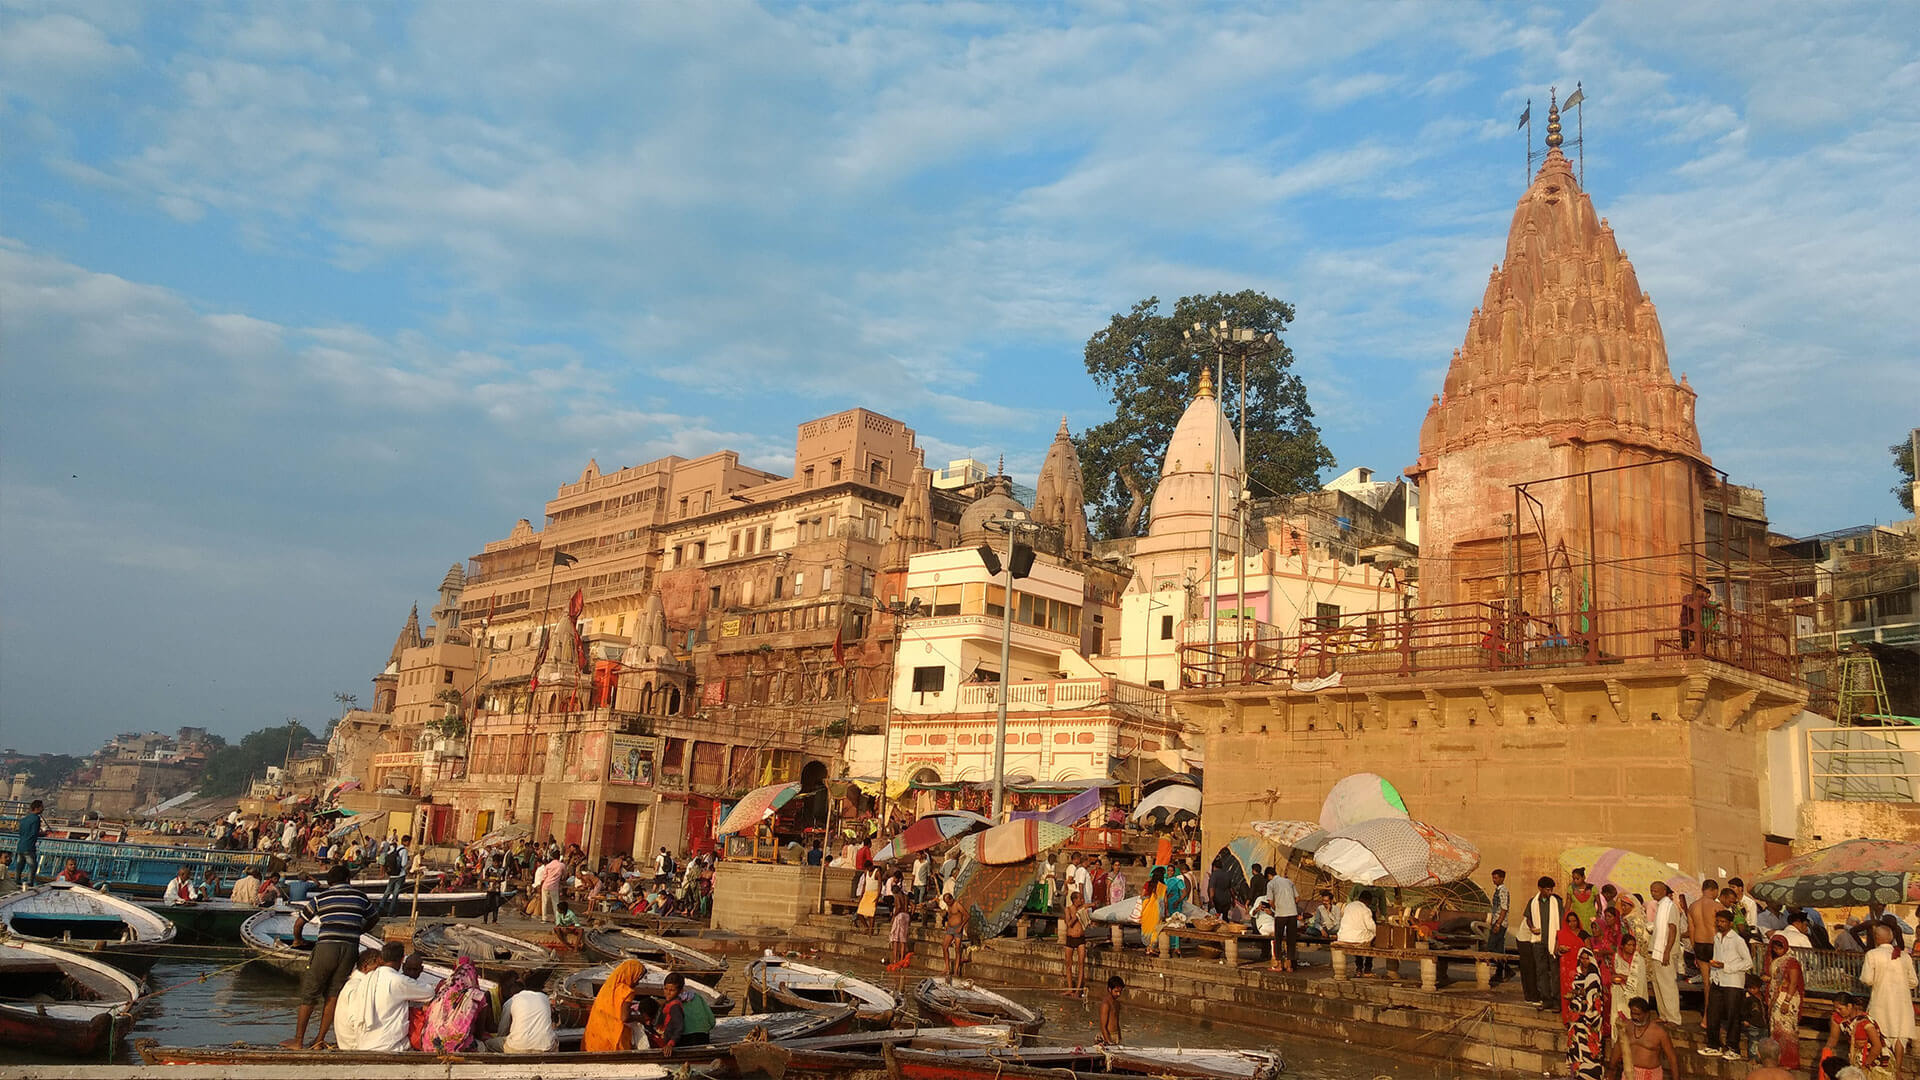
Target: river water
255	1004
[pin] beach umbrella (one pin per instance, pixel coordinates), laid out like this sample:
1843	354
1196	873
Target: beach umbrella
1361	797
1628	871
1396	852
1304	836
757	806
1169	803
930	831
1850	872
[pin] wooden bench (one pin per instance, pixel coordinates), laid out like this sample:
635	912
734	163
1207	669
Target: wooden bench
1428	959
836	906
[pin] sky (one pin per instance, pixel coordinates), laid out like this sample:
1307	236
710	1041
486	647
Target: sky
300	303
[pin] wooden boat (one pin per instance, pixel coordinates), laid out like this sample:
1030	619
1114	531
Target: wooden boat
616	943
727	1032
53	1001
136	869
666	925
445	905
497	955
210	922
79	919
573	998
776	983
963	1003
1032	1063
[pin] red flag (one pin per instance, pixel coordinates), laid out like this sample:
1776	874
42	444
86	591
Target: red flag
576	605
839	648
540	657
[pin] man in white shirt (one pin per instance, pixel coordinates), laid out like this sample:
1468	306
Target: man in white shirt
526	1024
389	994
350	1015
1748	904
1357	928
921	866
1663	952
1796	933
180	889
1285	904
247	889
1727	992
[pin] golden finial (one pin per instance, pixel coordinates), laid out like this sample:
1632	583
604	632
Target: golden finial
1553	119
1206	384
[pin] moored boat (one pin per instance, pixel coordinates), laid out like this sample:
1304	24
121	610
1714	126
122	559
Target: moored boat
616	943
135	869
54	1001
573	997
727	1032
495	953
776	983
1045	1061
964	1003
79	919
443	905
210	922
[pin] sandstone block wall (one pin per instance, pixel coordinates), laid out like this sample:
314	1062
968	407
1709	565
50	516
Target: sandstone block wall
752	896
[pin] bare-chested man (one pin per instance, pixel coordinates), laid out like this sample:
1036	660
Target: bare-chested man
1768	1052
1651	1049
954	930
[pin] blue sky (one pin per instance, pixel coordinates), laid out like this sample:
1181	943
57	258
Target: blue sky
304	302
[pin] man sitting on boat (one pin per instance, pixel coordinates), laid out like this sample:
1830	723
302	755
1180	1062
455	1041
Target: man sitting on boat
685	1019
390	998
350	1020
526	1024
181	889
73	875
247	889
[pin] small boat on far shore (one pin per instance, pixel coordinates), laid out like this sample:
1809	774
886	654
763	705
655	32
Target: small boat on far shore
964	1003
79	919
615	943
774	983
57	1002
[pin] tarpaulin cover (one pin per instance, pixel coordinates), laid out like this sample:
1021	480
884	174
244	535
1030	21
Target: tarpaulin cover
1067	813
1396	852
929	831
1018	841
1360	797
1847	873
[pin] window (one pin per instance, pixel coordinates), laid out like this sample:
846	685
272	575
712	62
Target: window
830	526
806	477
929	680
683	506
997	601
1157	684
876	472
799	585
1166	628
733	543
1326	615
713	597
946	600
700	551
779	583
706	502
766	538
1896	604
866	583
447	677
752	535
833	471
873	527
826	579
973	599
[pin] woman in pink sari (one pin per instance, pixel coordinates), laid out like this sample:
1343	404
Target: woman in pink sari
1568	943
1786	988
454	1013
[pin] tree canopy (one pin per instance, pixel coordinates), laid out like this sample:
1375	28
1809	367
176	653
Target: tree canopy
1151	374
49	771
1903	464
230	768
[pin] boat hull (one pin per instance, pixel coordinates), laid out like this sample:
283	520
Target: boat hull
873	1009
23	1028
614	944
216	922
75	1006
80	920
970	1006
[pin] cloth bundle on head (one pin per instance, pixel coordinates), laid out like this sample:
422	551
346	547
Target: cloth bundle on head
607	1024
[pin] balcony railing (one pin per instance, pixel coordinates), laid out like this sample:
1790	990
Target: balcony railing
1061	694
1482	637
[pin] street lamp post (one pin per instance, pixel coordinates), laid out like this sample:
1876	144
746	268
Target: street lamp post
1013	524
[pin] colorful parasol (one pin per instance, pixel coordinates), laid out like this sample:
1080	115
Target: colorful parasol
1169	804
930	831
757	806
1628	871
1361	797
1396	852
1299	835
1850	872
1018	841
994	896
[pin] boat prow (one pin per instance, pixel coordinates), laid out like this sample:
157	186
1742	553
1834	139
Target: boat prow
79	919
55	1001
775	983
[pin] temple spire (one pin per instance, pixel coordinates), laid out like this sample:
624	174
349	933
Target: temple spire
1060	494
1206	384
1554	138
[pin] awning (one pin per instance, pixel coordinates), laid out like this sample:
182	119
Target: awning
930	831
1068	812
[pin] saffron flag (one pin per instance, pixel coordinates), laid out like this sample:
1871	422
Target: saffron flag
839	647
539	657
576	605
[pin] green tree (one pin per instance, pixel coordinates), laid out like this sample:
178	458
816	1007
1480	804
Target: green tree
1150	373
1903	464
231	767
49	771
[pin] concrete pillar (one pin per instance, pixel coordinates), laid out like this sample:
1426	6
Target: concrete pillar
1339	963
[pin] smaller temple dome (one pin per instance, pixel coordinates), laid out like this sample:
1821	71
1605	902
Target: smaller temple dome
996	501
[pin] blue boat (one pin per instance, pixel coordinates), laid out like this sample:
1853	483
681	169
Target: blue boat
135	869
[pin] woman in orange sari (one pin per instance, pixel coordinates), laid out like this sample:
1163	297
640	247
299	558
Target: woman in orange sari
1786	989
1150	900
607	1024
1569	943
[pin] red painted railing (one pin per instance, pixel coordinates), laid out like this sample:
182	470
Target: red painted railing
1483	637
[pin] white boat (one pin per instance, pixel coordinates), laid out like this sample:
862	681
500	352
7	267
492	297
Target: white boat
964	1003
269	937
573	998
55	1001
79	919
776	983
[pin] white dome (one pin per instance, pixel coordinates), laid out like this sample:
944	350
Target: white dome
1183	499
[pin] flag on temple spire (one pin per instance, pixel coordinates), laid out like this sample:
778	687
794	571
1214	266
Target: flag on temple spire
576	605
539	657
1574	98
1525	115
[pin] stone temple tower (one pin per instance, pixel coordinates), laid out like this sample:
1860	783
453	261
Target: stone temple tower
1060	498
1562	384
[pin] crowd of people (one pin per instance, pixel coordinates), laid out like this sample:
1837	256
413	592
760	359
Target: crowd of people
1611	963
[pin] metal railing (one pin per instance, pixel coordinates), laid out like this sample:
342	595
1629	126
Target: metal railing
1484	637
1831	971
1061	694
1863	764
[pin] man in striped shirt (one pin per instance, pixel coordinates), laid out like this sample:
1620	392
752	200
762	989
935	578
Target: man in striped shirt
343	913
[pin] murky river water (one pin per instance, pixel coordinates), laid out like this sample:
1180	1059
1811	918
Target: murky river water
255	1004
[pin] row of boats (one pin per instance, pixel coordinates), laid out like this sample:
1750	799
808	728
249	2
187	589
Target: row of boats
68	986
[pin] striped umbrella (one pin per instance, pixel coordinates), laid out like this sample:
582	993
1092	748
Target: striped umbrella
757	806
1628	871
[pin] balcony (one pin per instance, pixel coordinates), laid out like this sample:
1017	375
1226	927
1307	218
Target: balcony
1061	695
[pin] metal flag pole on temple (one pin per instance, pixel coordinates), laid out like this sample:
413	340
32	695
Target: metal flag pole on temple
1526	121
1577	99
